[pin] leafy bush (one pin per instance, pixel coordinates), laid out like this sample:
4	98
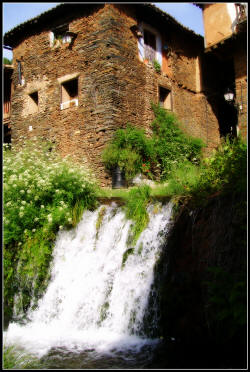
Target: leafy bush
157	66
135	153
42	194
183	177
128	149
225	171
171	145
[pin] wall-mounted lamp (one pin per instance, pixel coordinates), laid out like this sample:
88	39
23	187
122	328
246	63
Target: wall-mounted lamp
229	96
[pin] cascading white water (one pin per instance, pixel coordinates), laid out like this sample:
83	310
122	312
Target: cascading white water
97	296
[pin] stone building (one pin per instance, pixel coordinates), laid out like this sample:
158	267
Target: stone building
83	70
7	72
225	29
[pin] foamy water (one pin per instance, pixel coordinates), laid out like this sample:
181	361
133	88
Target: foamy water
92	300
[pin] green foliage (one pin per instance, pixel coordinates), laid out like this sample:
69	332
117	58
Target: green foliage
136	209
6	61
183	177
136	153
171	145
126	254
101	215
157	66
42	194
129	148
14	358
225	171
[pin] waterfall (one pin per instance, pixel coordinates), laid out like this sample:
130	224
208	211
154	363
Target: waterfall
99	288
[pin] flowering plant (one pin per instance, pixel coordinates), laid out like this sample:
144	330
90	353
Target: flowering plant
43	193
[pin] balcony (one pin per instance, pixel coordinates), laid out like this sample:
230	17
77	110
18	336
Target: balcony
6	111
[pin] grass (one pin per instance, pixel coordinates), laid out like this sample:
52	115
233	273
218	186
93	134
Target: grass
16	358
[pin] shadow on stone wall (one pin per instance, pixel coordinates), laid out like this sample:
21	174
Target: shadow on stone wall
203	311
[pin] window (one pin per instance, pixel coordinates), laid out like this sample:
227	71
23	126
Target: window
61	35
165	99
149	44
33	102
69	93
21	80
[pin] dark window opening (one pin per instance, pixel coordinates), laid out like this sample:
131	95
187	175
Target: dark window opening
165	99
62	34
69	93
34	97
20	73
33	102
149	45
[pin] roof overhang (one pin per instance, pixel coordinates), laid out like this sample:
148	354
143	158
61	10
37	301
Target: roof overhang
71	10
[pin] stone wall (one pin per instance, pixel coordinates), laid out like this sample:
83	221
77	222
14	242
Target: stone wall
114	86
218	22
201	241
240	66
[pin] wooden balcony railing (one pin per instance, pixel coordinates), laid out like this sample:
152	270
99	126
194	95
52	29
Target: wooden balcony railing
6	109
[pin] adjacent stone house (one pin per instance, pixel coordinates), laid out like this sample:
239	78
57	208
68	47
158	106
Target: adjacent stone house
7	74
83	70
225	29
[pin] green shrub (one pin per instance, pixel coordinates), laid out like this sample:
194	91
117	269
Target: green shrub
171	145
157	66
183	177
136	210
42	194
225	171
135	153
129	149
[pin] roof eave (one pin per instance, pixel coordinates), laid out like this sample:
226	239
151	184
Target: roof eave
12	37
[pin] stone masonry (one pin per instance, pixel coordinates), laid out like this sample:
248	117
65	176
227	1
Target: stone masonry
114	86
